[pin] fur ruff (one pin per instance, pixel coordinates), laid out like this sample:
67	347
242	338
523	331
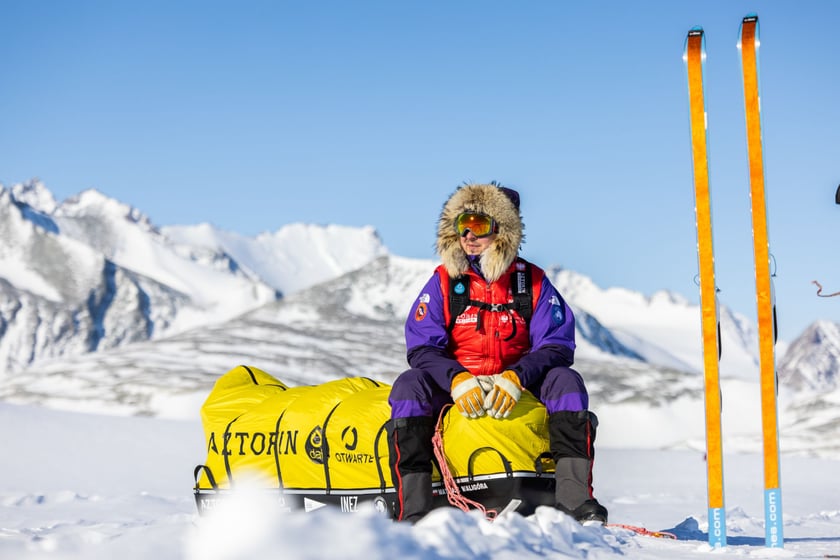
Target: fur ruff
486	199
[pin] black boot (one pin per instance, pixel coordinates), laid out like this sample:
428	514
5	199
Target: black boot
410	458
572	439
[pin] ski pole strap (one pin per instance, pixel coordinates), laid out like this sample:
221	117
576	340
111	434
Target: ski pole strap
819	290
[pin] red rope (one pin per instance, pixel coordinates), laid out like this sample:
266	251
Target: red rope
455	498
819	290
643	531
453	492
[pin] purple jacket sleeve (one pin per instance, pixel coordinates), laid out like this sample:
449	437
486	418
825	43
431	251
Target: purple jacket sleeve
426	336
552	331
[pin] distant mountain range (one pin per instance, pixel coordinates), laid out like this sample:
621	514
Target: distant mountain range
100	309
92	273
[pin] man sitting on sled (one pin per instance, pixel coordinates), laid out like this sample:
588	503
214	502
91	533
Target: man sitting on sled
472	340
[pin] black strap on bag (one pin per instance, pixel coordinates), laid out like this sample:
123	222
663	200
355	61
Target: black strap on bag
211	480
474	455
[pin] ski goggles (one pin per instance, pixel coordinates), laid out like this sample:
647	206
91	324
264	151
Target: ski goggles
481	225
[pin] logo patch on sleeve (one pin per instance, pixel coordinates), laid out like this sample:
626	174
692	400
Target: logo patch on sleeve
557	315
421	311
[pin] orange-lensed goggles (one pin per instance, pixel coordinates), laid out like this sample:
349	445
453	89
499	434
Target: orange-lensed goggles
481	225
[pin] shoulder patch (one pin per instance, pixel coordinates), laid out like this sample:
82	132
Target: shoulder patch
558	314
421	311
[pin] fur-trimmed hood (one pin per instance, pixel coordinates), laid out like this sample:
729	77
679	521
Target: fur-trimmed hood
496	201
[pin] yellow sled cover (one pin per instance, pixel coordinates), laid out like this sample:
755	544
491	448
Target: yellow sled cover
327	444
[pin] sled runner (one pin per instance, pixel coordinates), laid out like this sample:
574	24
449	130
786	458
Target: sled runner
326	445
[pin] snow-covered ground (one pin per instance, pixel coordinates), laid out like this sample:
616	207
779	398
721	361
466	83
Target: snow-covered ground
90	486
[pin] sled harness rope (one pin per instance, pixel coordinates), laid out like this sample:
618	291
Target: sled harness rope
643	531
819	290
458	500
453	492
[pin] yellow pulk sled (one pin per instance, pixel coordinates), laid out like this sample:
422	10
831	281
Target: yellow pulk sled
326	445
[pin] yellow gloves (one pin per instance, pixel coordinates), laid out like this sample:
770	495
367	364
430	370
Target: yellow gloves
472	400
468	394
503	396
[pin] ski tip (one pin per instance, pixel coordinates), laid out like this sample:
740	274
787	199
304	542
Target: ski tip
694	34
750	20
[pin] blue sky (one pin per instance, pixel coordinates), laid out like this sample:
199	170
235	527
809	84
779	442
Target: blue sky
252	115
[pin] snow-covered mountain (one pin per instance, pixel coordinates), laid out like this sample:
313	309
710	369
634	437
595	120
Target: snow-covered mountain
292	258
810	371
664	328
100	310
92	273
812	362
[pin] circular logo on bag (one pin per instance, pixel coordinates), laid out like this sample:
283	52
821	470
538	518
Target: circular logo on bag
350	438
460	288
315	446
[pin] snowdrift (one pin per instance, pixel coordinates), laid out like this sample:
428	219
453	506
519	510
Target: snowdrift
326	445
